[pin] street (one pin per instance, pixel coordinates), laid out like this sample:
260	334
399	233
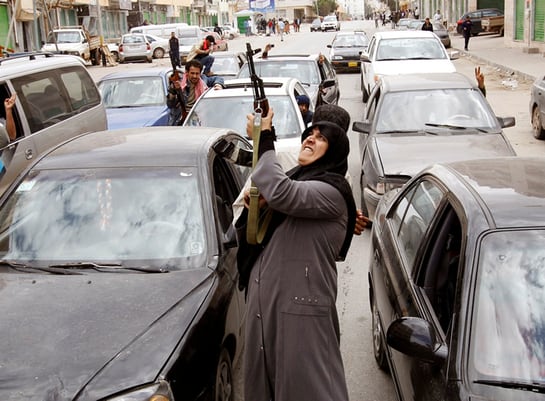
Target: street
507	97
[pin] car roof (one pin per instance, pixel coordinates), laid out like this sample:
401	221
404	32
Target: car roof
425	81
24	64
403	34
274	86
134	147
280	57
511	188
145	72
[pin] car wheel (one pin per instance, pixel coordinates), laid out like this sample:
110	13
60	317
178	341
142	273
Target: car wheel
537	125
115	56
379	349
224	378
158	53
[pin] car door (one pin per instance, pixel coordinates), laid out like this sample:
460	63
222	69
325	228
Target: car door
367	73
330	94
426	235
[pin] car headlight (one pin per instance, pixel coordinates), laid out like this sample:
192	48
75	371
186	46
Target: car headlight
154	392
337	58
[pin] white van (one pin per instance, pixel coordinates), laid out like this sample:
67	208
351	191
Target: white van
56	100
161	30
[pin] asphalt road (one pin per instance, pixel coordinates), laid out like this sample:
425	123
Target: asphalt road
507	97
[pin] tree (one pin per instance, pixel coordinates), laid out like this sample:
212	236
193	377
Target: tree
326	7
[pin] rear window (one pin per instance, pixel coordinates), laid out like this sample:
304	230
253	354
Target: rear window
52	96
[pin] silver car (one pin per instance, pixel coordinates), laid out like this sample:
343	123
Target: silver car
444	118
135	46
537	107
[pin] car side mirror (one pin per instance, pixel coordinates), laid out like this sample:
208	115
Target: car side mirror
364	56
454	55
416	338
361	126
4	137
327	83
506	122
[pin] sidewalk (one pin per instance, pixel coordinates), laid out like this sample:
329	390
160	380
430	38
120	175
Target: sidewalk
490	49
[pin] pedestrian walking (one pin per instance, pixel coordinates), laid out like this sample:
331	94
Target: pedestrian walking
437	17
174	51
466	31
281	27
292	335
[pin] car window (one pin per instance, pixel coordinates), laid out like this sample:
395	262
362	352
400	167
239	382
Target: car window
439	273
55	95
227	113
106	215
466	108
305	71
508	322
137	91
410	48
412	217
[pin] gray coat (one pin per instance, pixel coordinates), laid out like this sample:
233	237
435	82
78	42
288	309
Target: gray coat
292	334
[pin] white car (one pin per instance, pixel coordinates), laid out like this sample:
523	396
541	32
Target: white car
331	23
403	52
230	32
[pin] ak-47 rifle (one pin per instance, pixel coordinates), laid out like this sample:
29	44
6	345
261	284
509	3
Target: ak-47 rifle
175	77
257	222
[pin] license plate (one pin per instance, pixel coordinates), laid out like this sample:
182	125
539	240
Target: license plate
352	63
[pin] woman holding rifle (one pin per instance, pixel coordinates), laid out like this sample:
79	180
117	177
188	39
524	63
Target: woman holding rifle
292	335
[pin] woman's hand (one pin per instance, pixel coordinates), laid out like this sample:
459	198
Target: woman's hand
266	122
262	201
362	222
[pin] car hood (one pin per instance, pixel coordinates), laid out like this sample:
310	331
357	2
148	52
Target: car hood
395	67
133	117
98	333
421	151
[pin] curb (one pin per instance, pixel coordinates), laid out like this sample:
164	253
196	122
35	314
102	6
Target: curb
500	67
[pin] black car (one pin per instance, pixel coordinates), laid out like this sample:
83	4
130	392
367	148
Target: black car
314	71
345	50
476	17
456	282
118	269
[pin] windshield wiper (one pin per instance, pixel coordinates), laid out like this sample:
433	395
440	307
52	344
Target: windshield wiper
20	267
102	267
528	386
450	126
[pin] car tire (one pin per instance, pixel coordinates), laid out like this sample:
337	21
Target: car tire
158	53
379	348
224	386
115	56
537	124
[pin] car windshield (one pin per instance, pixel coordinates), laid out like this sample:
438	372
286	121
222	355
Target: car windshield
330	18
127	215
65	37
225	65
350	41
133	92
304	71
230	112
508	324
451	107
410	49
